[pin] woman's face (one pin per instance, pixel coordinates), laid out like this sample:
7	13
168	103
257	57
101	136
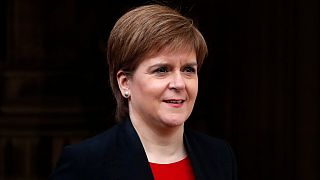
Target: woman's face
164	88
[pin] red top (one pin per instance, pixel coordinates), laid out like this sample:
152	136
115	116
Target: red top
181	170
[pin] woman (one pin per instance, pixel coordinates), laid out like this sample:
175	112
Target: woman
154	55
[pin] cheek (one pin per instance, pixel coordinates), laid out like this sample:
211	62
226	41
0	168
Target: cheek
149	88
193	89
156	88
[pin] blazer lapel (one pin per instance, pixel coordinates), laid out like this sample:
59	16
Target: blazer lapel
203	169
130	160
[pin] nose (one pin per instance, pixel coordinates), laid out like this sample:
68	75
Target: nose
177	81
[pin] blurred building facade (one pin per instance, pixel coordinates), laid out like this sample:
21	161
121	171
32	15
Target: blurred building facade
258	89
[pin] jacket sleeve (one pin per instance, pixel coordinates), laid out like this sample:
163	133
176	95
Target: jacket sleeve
68	166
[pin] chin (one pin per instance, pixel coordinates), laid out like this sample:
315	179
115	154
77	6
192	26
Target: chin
174	122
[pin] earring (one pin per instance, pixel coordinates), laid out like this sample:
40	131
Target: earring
126	94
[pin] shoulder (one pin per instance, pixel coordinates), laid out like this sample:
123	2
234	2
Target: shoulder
90	153
207	145
97	145
212	156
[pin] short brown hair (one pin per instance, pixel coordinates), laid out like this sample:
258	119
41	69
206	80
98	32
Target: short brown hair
145	31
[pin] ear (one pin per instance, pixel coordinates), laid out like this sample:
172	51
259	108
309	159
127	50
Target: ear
123	82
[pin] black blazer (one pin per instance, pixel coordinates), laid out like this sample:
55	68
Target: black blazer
118	154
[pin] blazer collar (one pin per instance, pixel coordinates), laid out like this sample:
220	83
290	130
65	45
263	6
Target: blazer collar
195	161
130	160
202	167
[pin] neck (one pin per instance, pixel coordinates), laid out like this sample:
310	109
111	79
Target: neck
161	144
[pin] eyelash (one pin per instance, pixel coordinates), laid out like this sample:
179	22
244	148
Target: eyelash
162	70
190	69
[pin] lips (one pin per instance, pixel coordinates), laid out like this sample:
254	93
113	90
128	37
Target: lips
174	101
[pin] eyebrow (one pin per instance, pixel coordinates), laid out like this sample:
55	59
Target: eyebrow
166	64
192	64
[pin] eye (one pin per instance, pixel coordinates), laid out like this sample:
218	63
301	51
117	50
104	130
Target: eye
189	69
161	70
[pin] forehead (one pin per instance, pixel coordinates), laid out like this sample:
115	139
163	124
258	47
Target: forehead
171	57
